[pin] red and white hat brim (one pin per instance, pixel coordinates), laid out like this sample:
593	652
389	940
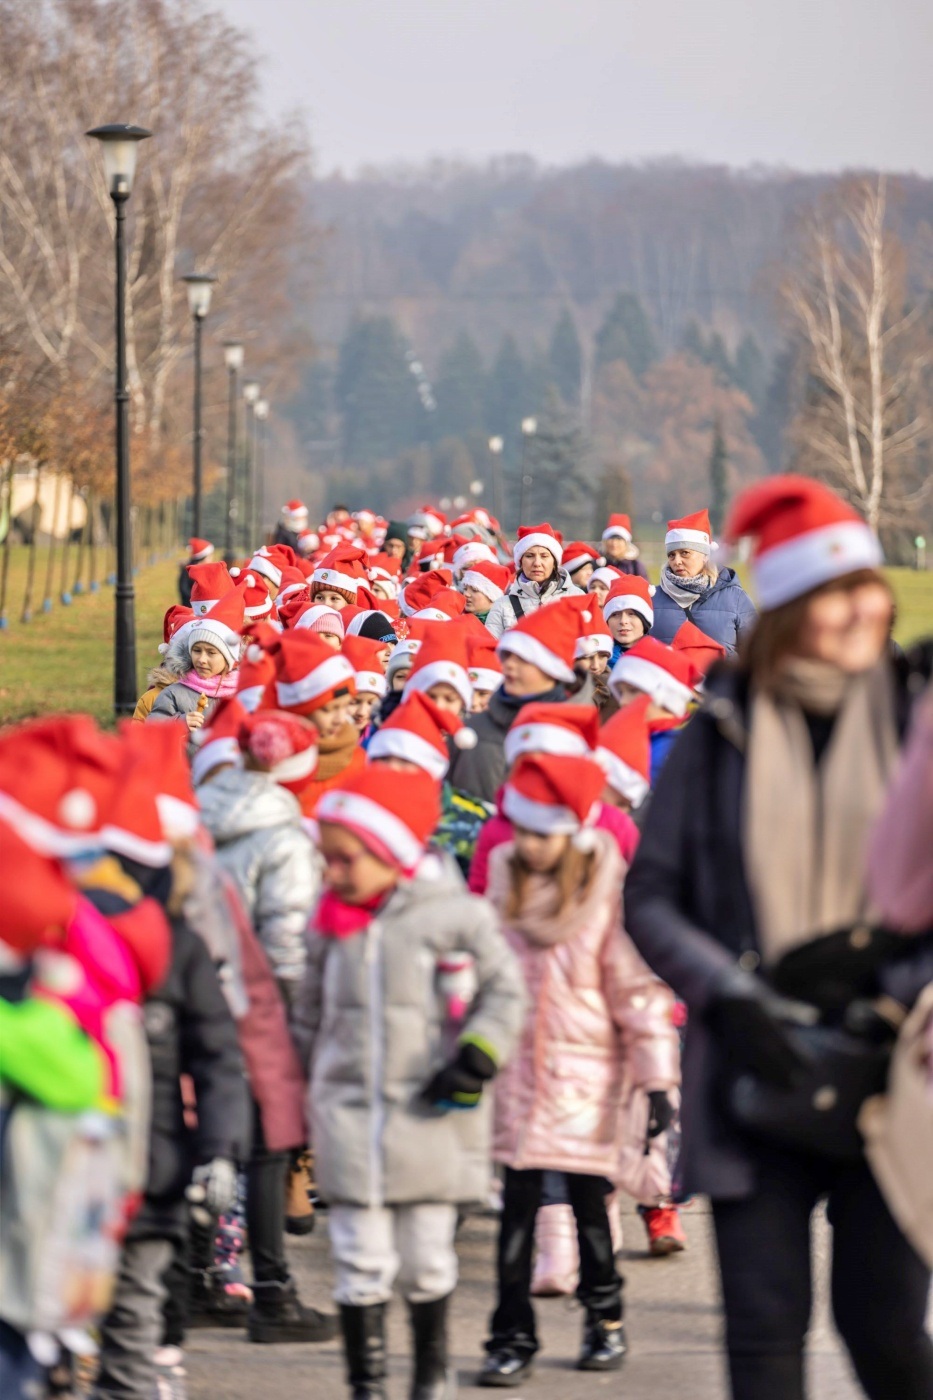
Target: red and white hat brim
485	678
46	836
788	571
361	814
687	539
329	675
317	611
629	602
250	697
529	649
332	578
538	539
297	766
395	742
545	818
626	781
665	690
471	579
473	553
136	847
372	683
617	532
261	564
594	644
554	739
179	819
440	673
212	753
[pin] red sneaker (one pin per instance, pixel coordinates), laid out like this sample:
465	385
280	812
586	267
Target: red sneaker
665	1232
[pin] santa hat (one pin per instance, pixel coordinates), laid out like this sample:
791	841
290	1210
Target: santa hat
692	532
595	639
606	575
555	795
294	585
547	637
131	824
431	554
803	536
282	745
363	654
531	535
257	666
56	777
199	550
387	572
308	542
166	748
445	604
402	654
295	515
217	742
39	901
257	604
393	820
624	751
426	523
490	579
473	552
418	593
576	554
417	730
222	626
174	620
659	671
697	647
318	617
308	673
343	570
630	593
485	667
442	658
618	528
209	583
271	560
569	731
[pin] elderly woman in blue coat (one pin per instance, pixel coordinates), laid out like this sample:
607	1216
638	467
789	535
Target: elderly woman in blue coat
692	587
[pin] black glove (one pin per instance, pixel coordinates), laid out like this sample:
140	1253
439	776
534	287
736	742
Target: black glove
752	1025
661	1115
460	1083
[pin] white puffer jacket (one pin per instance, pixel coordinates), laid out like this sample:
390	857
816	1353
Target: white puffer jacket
529	596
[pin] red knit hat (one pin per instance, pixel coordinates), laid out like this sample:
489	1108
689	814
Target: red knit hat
165	747
531	535
417	731
308	673
547	637
490	579
595	639
256	601
618	528
56	777
222	626
217	741
441	658
282	745
697	647
445	604
560	730
271	560
485	667
199	550
630	594
659	671
364	655
576	554
624	751
803	536
176	618
691	532
555	795
342	571
257	666
393	820
39	901
418	593
209	583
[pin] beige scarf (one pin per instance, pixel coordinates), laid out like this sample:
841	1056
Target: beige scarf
806	825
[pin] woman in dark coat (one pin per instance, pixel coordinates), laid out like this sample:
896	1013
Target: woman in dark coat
753	849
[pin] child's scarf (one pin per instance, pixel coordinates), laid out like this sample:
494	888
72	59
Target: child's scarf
217	687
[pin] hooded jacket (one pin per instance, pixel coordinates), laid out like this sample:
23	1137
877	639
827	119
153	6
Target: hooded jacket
260	842
529	596
724	612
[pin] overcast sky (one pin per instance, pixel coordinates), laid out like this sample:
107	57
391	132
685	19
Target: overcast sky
814	84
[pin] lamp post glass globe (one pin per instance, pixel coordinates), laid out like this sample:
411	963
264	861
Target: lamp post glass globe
262	409
251	391
233	354
119	144
200	286
496	444
476	488
529	426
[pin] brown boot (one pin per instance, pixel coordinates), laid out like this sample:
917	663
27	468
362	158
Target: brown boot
299	1212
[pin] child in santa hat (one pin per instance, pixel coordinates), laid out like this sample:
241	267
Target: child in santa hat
314	681
199	552
619	548
371	687
174	659
411	1004
338	576
211	647
589	1092
629	614
669	679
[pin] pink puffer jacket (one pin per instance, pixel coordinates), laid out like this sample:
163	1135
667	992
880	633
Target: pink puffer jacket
599	1036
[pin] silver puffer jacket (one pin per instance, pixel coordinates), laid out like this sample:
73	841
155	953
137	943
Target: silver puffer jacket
256	826
531	596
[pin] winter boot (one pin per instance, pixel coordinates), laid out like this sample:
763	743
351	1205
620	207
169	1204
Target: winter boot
557	1261
364	1345
433	1378
604	1345
278	1315
665	1231
299	1212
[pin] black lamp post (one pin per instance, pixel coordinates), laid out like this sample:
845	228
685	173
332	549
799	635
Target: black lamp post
529	428
119	145
199	286
259	500
233	359
250	398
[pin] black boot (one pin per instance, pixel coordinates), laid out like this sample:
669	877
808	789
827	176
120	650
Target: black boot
604	1345
508	1363
364	1344
279	1315
433	1379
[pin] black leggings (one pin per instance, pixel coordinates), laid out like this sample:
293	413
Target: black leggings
600	1290
879	1284
266	1183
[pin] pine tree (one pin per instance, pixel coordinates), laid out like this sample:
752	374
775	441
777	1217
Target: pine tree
557	461
376	394
626	334
613	494
565	359
718	485
751	371
507	392
460	390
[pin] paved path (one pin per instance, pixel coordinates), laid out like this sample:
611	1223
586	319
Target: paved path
672	1318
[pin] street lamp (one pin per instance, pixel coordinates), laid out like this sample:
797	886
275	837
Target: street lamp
119	146
496	448
262	413
529	428
200	285
250	398
233	359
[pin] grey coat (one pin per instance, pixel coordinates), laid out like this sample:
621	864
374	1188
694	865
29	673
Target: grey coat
261	843
501	615
178	700
371	1025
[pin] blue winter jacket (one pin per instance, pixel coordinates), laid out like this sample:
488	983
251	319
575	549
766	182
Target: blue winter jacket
724	612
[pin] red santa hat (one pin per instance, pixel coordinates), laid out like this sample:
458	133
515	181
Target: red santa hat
308	673
131	824
257	605
442	659
568	731
445	604
166	747
659	671
547	637
386	572
257	666
624	751
418	730
490	579
199	550
39	901
418	593
217	742
555	795
427	522
295	515
209	583
294	585
630	593
595	639
393	820
485	667
543	535
618	528
577	554
318	617
472	552
606	575
222	626
803	535
271	560
174	620
364	655
56	776
343	570
282	745
430	555
691	532
309	541
697	647
402	655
